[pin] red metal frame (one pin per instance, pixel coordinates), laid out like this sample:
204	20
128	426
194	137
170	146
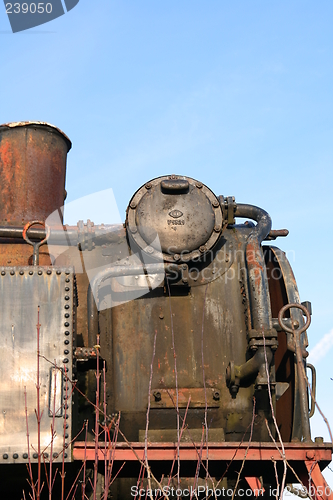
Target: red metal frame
305	458
217	451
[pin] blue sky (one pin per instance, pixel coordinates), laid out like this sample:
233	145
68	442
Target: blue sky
236	94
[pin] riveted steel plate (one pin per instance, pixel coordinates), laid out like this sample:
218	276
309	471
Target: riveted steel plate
24	290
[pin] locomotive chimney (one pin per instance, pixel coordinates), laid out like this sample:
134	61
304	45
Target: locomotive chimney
32	171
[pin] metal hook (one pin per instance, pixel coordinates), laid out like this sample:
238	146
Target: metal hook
37	244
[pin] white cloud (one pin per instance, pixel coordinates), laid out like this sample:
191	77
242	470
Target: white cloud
320	350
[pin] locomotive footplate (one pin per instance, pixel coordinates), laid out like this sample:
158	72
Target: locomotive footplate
305	461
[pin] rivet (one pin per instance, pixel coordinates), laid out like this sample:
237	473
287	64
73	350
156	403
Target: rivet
202	249
40	273
66	296
66	306
133	230
66	324
67	332
25	455
66	315
3	273
21	272
12	273
67	280
66	351
161	316
66	436
66	342
65	360
67	289
5	456
65	455
35	455
133	205
67	272
58	272
215	204
55	455
46	455
65	425
217	229
148	185
176	256
31	273
149	250
48	272
198	185
15	456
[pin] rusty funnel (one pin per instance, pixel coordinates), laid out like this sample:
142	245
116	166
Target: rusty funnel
32	171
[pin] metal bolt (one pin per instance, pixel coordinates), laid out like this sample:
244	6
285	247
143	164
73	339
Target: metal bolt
161	316
319	439
198	185
216	395
176	256
149	250
202	249
133	230
133	205
217	229
157	395
309	455
215	204
148	185
185	280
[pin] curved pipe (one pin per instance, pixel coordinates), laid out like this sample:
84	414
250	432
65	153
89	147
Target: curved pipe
258	286
254	367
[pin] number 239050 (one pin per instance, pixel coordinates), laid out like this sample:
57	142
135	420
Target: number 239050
25	8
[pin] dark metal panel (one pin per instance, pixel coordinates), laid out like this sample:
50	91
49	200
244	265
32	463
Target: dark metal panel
24	290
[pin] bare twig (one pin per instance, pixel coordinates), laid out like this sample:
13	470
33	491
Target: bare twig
247	449
176	383
275	422
147	417
204	378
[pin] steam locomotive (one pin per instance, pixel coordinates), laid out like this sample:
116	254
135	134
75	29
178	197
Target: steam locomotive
177	340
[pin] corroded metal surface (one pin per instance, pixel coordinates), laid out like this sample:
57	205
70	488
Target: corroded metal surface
32	171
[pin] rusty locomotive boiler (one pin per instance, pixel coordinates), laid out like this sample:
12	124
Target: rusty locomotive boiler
189	314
